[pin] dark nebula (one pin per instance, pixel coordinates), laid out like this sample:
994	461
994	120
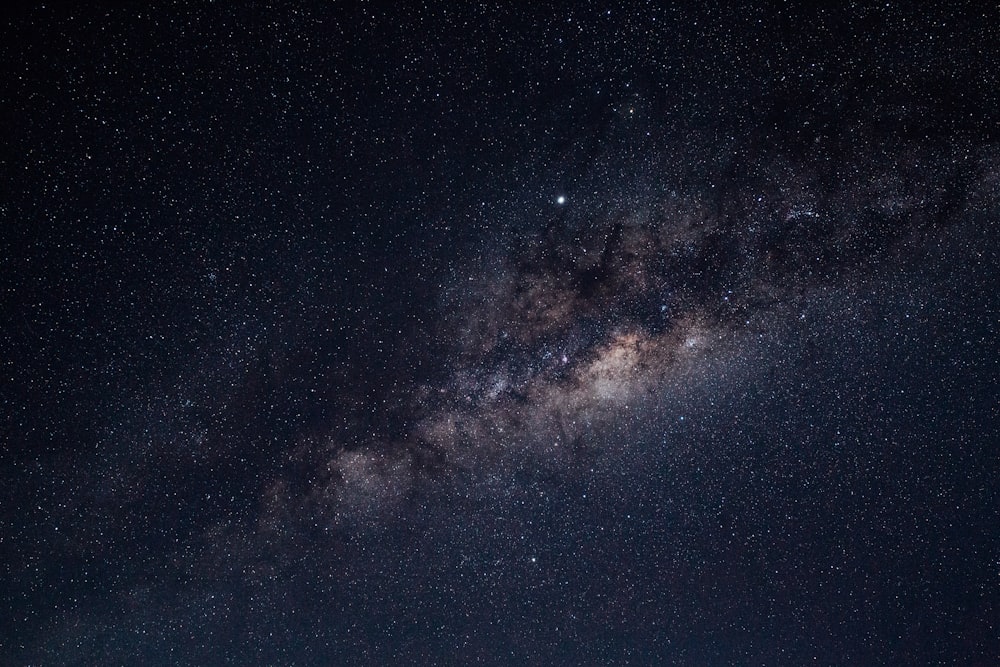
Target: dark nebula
420	334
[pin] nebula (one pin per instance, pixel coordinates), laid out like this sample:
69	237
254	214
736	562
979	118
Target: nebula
555	338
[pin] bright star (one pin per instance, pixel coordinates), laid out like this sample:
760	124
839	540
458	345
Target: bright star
560	200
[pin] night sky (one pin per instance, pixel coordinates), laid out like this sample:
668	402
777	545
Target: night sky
529	334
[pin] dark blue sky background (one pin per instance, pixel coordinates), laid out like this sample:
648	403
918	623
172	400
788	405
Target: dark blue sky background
303	361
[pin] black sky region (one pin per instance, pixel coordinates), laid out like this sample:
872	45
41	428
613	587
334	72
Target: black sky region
499	334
